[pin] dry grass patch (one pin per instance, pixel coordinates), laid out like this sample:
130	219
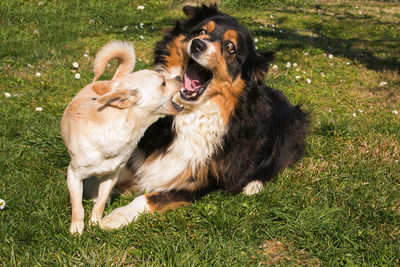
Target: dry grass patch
276	253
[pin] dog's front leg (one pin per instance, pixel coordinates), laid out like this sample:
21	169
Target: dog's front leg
75	187
106	185
152	202
125	215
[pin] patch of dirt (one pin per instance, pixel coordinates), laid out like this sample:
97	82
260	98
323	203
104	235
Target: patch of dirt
276	253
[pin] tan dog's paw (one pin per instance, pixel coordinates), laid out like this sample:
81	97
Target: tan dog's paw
77	227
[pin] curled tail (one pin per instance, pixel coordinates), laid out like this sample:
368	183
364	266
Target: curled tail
123	51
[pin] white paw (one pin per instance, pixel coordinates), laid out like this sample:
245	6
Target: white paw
254	187
115	220
77	227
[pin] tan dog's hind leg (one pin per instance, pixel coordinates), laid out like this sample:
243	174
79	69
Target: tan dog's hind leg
75	187
105	187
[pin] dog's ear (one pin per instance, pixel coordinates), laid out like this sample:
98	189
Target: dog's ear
121	98
192	11
102	87
260	65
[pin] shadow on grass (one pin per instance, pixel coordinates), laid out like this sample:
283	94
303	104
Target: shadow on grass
365	51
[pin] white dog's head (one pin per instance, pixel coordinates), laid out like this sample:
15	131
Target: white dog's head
147	89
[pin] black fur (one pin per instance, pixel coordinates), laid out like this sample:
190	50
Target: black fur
265	132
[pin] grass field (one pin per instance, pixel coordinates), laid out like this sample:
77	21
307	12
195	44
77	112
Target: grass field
340	205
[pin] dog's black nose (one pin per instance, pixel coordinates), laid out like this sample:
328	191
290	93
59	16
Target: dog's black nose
198	46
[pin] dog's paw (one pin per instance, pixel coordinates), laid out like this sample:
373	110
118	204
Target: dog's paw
94	221
116	219
254	187
76	227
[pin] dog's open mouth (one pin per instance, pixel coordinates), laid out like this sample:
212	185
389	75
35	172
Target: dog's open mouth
195	81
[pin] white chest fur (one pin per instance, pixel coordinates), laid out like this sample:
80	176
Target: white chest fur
198	134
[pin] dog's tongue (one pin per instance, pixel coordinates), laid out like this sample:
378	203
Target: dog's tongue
191	83
192	79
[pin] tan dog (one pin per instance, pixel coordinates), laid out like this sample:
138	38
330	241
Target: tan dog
104	122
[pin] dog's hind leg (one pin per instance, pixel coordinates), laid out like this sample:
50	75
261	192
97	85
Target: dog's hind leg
152	202
106	185
75	187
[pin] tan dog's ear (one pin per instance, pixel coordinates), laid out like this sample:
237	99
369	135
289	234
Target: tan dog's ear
102	88
121	98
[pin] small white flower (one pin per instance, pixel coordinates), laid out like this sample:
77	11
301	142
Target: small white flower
35	31
255	40
2	204
271	16
347	63
256	47
360	111
359	12
124	28
152	28
395	112
38	109
273	25
323	74
382	84
91	21
269	43
308	81
75	65
7	95
275	67
295	65
141	24
356	6
77	76
280	31
141	37
38	74
330	110
330	56
288	65
15	95
354	115
85	55
29	65
40	3
140	7
260	27
297	77
306	53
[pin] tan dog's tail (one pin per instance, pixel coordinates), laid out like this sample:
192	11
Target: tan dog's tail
123	51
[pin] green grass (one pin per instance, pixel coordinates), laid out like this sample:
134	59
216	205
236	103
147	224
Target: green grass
340	205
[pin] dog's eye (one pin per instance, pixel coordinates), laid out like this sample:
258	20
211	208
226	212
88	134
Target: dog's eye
230	47
201	32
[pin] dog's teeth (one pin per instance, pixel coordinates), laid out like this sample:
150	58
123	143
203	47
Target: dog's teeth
183	90
193	94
